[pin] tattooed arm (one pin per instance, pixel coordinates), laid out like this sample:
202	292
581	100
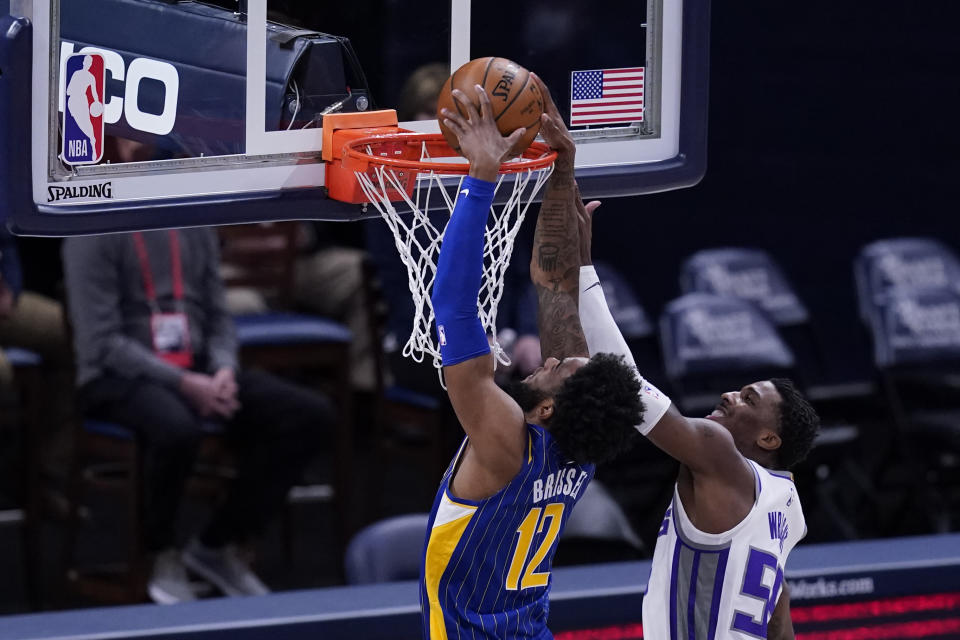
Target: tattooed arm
555	264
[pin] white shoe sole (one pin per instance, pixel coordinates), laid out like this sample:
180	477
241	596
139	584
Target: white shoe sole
161	596
211	576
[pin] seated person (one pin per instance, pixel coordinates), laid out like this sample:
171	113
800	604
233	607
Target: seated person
156	352
27	320
30	320
328	280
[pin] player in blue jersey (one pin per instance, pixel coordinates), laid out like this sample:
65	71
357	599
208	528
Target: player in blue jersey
717	570
525	462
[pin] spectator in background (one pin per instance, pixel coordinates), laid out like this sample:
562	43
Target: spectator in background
156	351
11	283
27	320
318	268
418	97
328	280
32	321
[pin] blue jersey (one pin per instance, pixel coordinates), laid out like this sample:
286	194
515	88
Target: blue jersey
486	565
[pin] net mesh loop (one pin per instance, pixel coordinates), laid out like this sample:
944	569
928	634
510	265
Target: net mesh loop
418	220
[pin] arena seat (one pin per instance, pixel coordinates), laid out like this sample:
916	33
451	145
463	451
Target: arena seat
712	342
26	418
916	333
598	530
750	274
309	347
107	458
902	263
599	517
387	551
754	275
22	357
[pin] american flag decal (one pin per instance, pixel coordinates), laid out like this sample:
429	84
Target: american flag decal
606	96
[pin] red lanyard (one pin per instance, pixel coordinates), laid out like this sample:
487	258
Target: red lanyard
176	267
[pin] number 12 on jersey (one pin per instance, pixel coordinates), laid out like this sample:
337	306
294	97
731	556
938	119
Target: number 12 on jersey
530	526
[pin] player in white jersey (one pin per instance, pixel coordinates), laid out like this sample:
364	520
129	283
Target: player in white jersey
718	564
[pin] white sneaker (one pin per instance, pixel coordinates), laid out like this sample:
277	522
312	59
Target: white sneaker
168	583
225	568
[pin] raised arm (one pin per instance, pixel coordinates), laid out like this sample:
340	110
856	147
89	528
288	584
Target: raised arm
554	266
491	419
599	328
704	446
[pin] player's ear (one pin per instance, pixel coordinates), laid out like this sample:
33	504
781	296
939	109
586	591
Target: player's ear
543	411
769	440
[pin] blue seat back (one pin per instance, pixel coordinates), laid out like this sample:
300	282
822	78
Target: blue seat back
119	431
599	517
749	274
917	327
22	357
706	334
387	550
280	328
902	264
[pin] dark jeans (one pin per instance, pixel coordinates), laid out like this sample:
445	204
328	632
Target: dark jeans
277	430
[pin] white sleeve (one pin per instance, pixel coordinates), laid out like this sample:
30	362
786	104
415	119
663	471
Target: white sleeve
603	336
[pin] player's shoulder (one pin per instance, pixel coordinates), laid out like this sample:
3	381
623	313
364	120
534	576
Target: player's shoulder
775	480
720	437
779	474
777	488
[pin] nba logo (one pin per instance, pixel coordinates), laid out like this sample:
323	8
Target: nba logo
83	112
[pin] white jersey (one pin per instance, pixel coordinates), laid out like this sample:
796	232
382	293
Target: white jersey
718	586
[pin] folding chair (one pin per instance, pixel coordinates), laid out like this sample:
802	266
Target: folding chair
387	551
916	336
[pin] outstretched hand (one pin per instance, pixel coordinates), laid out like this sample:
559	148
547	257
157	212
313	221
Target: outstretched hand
585	224
552	128
480	141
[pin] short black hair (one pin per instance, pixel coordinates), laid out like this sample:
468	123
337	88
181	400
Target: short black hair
799	423
596	409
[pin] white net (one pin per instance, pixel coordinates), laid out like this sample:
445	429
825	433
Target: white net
418	223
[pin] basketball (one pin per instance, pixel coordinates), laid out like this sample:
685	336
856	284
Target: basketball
96	109
514	95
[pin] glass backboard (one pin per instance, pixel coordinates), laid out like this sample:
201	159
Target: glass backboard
156	113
